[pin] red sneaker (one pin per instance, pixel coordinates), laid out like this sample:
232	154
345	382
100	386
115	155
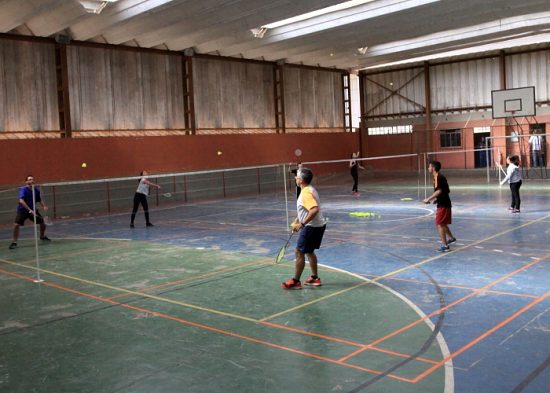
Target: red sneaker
291	284
316	282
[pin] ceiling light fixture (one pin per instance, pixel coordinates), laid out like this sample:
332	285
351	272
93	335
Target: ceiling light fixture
259	32
95	6
362	50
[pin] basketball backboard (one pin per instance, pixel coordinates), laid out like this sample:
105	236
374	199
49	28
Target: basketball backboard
513	102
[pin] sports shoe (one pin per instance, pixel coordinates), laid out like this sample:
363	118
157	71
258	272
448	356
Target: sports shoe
515	211
511	208
316	282
451	241
291	284
13	245
45	239
444	249
132	225
149	225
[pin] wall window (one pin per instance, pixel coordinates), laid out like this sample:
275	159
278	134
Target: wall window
406	129
450	138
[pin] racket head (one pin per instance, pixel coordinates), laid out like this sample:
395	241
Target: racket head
281	254
47	220
167	195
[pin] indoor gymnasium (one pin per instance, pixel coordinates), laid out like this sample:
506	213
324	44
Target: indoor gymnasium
274	196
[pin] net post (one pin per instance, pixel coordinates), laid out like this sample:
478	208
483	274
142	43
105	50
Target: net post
108	189
425	175
488	161
286	196
37	257
419	174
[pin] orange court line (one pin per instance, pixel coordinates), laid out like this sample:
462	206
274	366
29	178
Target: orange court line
206	327
212	273
450	286
481	337
344	341
412	324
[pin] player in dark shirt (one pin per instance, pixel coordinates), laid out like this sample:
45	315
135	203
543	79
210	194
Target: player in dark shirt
443	216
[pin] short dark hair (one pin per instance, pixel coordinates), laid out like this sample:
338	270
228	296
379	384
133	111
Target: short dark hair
514	160
27	178
306	175
436	165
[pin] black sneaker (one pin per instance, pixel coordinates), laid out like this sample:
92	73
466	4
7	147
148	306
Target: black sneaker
13	245
45	239
451	241
149	225
131	225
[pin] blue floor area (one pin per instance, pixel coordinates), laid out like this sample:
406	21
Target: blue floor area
490	294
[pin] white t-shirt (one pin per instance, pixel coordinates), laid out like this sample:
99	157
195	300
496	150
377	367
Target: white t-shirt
535	142
143	188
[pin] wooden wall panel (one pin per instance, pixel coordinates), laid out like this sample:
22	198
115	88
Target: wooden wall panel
28	99
313	98
123	90
233	94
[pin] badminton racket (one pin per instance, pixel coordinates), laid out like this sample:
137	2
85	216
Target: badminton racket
46	219
281	254
167	195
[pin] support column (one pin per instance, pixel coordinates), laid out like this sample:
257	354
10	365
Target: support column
62	81
346	101
188	95
363	131
279	97
428	105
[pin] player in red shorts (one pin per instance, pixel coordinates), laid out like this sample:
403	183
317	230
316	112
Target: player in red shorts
443	216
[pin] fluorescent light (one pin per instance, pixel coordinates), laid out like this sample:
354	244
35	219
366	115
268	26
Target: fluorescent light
312	14
511	43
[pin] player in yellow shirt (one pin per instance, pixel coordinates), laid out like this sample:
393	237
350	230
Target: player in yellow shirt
311	225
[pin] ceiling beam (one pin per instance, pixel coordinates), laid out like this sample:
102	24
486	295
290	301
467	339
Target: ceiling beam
116	14
238	28
17	12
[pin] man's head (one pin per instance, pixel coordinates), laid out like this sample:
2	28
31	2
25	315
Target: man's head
434	167
304	176
29	180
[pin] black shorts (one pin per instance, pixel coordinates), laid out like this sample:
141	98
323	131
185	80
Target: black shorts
21	217
310	239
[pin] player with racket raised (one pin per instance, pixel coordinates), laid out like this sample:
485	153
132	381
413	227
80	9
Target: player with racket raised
310	226
140	197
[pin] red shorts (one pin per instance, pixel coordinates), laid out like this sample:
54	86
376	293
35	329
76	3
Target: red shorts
443	216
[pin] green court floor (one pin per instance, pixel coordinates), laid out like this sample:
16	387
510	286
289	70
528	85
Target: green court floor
138	316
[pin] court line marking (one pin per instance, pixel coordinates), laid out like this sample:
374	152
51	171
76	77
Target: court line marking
484	335
205	327
186	279
452	304
135	293
163	299
403	269
283	327
371	276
